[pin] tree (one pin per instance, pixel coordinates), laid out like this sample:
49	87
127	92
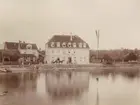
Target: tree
106	57
131	57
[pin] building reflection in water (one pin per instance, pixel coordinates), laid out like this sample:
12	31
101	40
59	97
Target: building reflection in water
66	84
21	82
41	84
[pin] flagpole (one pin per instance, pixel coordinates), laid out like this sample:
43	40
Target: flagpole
97	35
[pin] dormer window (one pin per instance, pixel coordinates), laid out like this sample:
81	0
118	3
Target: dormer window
58	44
69	44
74	45
52	44
29	46
80	45
84	45
63	44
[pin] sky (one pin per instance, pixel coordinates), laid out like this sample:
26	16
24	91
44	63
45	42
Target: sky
37	21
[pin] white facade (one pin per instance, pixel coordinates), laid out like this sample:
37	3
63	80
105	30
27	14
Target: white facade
71	50
78	56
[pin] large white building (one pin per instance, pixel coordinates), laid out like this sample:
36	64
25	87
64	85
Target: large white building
66	49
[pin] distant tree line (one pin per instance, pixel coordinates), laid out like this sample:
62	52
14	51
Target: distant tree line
115	55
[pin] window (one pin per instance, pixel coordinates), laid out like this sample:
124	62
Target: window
58	44
29	46
69	44
46	45
74	59
72	51
52	44
68	51
63	58
74	45
84	45
58	51
80	45
80	58
64	52
34	53
52	51
63	44
84	58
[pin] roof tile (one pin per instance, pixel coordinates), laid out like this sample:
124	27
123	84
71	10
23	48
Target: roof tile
66	39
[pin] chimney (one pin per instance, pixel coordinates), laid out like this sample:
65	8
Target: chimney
71	37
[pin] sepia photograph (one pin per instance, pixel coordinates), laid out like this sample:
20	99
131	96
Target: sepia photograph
69	52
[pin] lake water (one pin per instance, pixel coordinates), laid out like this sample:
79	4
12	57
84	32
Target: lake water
70	88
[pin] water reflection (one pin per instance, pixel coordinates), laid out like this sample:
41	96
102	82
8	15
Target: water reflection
131	75
18	80
66	84
70	88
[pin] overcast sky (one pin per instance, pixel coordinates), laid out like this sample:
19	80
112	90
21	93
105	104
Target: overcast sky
38	20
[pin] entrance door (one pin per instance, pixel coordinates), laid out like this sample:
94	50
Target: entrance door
69	60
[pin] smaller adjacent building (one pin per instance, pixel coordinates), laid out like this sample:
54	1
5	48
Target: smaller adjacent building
13	51
66	49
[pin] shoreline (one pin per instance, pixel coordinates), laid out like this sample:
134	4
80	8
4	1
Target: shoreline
94	68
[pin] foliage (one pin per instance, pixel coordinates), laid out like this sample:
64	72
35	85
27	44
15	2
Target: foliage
106	57
131	57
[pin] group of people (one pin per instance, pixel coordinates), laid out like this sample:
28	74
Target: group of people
23	61
58	61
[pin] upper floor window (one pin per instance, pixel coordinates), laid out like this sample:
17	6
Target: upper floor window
58	44
69	51
63	44
74	44
52	51
84	45
58	51
80	45
64	52
29	46
52	44
69	44
81	58
46	45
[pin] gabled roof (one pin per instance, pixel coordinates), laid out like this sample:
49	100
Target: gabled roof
67	39
15	45
11	45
